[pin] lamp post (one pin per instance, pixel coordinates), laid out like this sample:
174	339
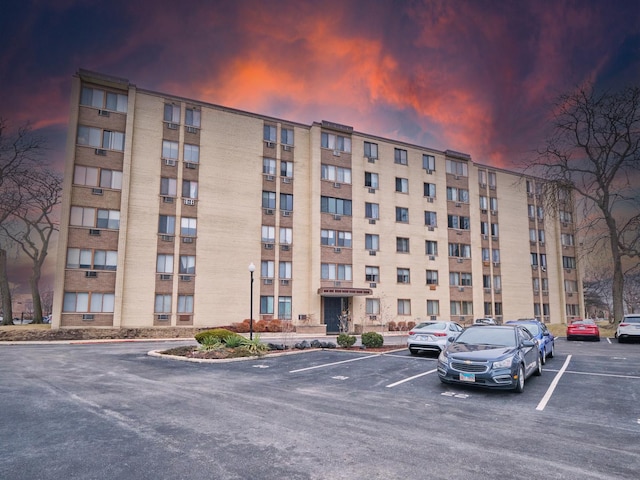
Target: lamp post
252	268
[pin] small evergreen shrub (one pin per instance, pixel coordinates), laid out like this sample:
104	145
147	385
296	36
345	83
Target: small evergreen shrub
345	340
219	334
372	339
393	327
410	325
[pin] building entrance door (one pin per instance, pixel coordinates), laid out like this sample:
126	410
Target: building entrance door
332	312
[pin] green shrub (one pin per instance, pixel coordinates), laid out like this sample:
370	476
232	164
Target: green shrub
233	341
219	334
372	339
253	347
210	343
345	340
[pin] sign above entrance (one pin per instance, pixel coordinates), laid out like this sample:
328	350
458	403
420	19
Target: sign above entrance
344	292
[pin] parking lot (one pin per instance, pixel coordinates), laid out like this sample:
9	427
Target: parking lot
110	410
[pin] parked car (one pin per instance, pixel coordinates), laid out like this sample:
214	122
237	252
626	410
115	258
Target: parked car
545	339
584	329
432	336
46	319
629	328
493	356
484	321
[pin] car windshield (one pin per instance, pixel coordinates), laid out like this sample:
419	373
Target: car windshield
488	336
431	326
631	319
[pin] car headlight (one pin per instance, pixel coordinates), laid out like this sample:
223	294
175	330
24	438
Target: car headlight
443	358
506	363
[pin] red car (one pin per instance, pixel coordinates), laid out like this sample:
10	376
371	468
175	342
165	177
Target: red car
583	329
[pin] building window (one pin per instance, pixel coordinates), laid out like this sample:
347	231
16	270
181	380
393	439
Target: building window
284	308
97	177
531	211
286	136
286	202
336	206
482	178
371	180
268	234
167	225
459	250
169	150
188	227
371	211
83	302
572	310
371	241
399	156
284	270
402	215
192	117
98	138
402	185
189	189
457	168
492	180
429	162
534	259
483	203
168	187
344	239
565	217
77	258
336	174
541	237
109	219
93	97
269	133
327	237
457	194
570	286
540	213
432	277
497	283
266	305
171	113
494	204
567	240
268	199
286	169
372	306
370	150
484	228
431	219
433	307
267	268
269	166
430	190
191	153
162	303
494	229
97	260
496	255
486	281
536	284
458	222
404	306
533	235
335	142
164	263
487	308
331	271
286	236
465	279
185	303
372	274
486	255
187	265
568	262
431	247
461	308
402	245
497	307
403	275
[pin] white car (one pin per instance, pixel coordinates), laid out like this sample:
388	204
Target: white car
629	328
484	321
432	336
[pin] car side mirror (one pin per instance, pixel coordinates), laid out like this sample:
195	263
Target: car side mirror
451	339
528	343
546	334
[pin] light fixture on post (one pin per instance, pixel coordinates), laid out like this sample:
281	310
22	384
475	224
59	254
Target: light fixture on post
252	268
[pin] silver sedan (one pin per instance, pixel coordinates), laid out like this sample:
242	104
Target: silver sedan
432	336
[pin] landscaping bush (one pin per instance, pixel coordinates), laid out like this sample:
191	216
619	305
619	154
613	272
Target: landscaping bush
220	334
372	339
393	326
402	326
410	325
345	340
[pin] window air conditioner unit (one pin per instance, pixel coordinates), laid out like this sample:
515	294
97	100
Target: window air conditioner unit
165	277
372	190
544	269
269	178
432	257
429	172
431	229
103	113
286	148
372	253
191	165
90	274
166	238
494	212
172	126
337	250
373	317
568	294
87	316
167	199
373	285
337	284
458	204
434	317
371	159
285	247
268	211
284	282
96	191
270	144
461	289
496	264
336	185
162	317
483	185
372	221
286	179
484	236
94	232
189	201
484	210
286	213
185	278
101	151
191	129
337	217
268	281
430	199
336	153
170	162
268	246
460	260
187	239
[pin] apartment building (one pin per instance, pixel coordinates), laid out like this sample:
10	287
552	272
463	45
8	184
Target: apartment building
167	201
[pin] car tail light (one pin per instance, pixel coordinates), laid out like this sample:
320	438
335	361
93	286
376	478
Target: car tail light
411	332
623	325
439	334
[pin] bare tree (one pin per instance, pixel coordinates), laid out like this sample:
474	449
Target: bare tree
39	194
594	151
632	293
20	153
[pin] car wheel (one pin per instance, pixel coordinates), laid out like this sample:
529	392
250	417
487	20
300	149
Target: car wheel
413	352
520	380
597	338
620	340
538	370
569	338
550	354
543	356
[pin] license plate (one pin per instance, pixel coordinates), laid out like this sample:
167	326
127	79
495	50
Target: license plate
467	377
425	338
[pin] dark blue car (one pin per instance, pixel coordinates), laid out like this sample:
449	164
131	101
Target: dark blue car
494	356
545	339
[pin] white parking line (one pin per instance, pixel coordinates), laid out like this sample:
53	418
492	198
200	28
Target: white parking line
333	363
614	375
391	385
552	387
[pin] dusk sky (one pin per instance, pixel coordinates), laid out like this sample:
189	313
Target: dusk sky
473	76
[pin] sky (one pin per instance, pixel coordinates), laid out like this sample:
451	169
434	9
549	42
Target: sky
475	76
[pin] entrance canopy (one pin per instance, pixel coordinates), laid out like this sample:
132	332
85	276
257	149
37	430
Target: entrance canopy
344	292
